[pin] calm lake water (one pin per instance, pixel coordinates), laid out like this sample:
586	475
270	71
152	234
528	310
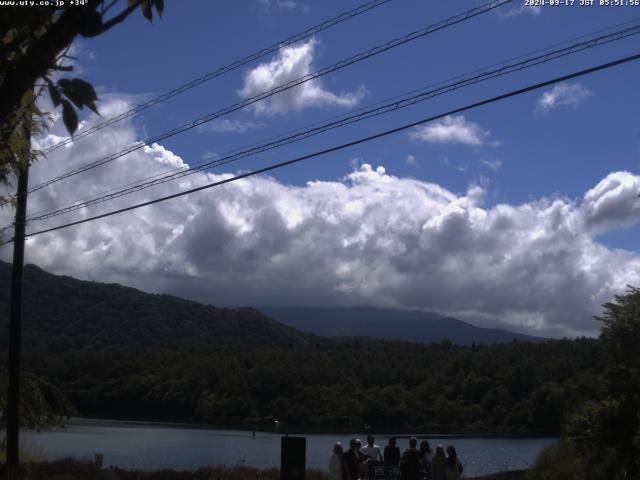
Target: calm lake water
153	446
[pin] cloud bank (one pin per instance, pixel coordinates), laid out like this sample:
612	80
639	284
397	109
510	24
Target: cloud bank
369	238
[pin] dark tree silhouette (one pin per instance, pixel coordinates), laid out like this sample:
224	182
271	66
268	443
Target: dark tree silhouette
33	44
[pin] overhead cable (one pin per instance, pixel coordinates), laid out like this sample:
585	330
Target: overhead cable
487	7
343	121
359	141
365	7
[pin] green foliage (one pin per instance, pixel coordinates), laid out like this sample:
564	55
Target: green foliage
81	93
558	462
17	151
621	339
595	425
602	440
62	315
78	92
42	404
565	461
26	456
69	116
33	46
328	385
23	32
147	7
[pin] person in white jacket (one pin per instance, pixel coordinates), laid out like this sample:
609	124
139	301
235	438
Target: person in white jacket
335	462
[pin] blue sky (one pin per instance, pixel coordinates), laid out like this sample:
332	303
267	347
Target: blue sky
510	215
565	150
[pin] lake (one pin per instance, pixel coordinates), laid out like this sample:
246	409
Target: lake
152	446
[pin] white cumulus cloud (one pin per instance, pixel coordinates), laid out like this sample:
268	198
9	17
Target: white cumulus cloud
563	95
612	202
290	64
369	238
452	129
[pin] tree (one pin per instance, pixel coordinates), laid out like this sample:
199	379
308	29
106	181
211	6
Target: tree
33	43
43	405
33	40
602	440
621	339
619	412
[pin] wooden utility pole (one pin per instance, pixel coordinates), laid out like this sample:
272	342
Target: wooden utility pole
15	321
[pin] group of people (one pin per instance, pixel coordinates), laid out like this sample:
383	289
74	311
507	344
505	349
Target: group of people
414	464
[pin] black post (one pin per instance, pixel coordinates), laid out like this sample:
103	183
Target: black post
15	319
293	458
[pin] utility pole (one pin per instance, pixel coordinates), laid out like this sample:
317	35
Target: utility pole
15	320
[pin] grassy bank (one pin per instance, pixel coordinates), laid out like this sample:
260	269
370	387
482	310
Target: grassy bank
70	469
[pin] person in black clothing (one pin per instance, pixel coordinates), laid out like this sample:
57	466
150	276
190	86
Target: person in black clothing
392	453
410	462
453	467
353	462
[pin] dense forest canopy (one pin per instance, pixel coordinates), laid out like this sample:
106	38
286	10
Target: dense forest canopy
391	386
601	441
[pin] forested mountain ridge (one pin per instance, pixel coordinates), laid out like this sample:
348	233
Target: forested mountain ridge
62	314
410	326
65	314
116	351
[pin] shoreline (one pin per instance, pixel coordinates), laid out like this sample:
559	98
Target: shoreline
132	448
105	421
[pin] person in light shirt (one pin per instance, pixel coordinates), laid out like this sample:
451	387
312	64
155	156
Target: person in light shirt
371	450
335	462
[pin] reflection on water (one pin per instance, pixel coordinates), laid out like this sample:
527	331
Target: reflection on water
154	446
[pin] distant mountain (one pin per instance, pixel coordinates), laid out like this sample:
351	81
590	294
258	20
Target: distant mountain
62	314
411	326
117	352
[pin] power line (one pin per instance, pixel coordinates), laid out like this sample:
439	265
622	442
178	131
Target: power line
372	112
281	88
365	7
484	69
385	133
359	109
293	83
